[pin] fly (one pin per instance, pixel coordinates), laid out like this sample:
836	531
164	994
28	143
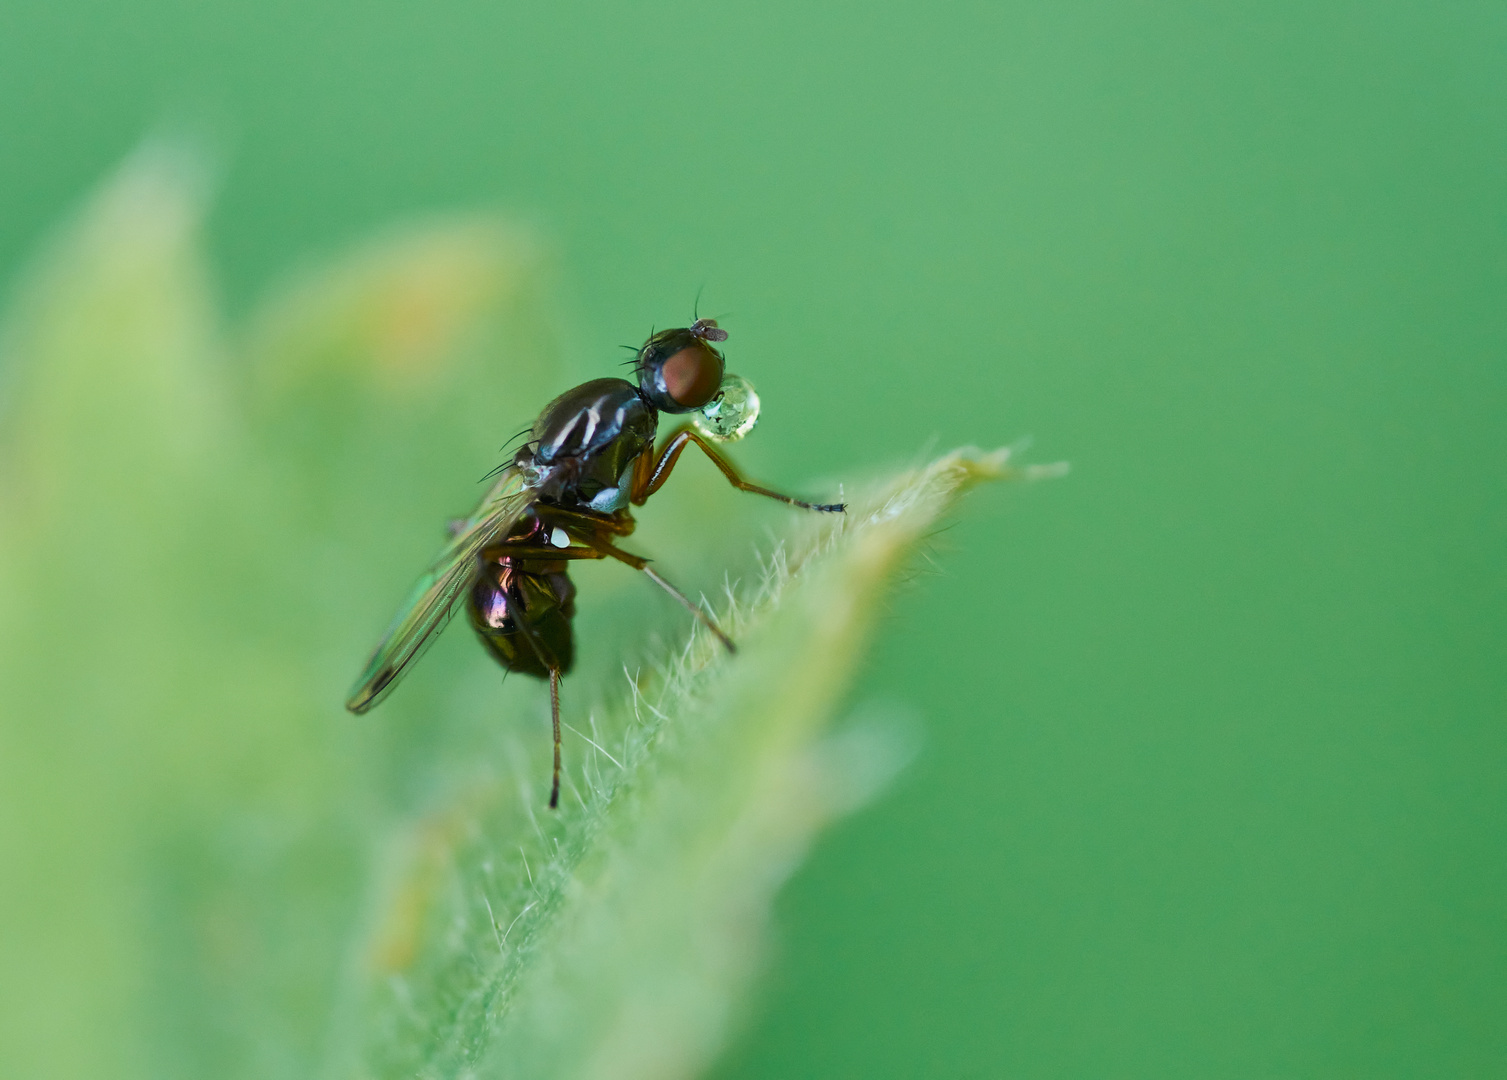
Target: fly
566	495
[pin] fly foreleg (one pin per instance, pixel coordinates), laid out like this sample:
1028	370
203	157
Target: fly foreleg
650	473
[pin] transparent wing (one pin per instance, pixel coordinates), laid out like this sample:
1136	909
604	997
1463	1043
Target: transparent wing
435	594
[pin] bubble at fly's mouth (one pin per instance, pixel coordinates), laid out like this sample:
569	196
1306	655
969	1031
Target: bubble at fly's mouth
732	412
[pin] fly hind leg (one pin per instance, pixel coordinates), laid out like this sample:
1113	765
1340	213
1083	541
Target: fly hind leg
554	716
552	664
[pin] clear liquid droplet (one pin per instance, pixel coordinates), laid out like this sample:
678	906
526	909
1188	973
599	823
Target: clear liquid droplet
732	412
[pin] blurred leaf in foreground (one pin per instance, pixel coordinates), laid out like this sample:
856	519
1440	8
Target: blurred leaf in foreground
190	523
212	870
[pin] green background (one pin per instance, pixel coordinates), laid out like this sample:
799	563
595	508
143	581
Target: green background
1214	770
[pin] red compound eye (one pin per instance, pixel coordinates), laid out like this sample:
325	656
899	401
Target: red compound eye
692	375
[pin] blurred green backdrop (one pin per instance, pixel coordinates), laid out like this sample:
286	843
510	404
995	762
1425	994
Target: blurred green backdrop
1214	777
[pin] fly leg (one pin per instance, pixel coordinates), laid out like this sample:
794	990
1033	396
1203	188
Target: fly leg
650	473
549	660
579	522
640	563
580	527
541	554
554	716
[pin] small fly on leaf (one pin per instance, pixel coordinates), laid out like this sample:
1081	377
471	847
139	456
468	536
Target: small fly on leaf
565	496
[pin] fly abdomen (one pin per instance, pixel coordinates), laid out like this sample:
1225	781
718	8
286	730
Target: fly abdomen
524	616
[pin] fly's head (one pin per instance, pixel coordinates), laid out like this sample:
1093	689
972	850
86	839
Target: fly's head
679	370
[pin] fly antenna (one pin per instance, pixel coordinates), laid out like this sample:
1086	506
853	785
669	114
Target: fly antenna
707	330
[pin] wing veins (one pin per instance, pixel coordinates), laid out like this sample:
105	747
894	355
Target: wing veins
435	595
